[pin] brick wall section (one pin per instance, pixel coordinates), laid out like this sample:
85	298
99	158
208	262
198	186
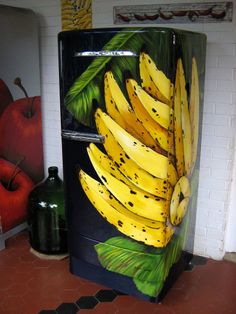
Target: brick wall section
217	154
218	138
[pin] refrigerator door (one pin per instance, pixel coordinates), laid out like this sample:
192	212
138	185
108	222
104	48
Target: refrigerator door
127	101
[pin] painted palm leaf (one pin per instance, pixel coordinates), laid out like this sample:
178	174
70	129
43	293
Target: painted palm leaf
148	267
88	88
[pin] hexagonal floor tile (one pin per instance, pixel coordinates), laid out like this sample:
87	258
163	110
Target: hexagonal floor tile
87	302
67	308
106	295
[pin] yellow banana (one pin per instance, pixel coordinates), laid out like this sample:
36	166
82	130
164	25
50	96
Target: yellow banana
159	111
88	5
109	165
186	126
146	81
184	186
154	81
174	203
115	169
115	98
66	2
111	106
171	149
172	175
194	111
109	197
136	174
67	17
158	133
67	24
83	14
141	229
154	163
137	201
83	19
179	150
87	24
182	208
172	90
151	161
179	200
67	12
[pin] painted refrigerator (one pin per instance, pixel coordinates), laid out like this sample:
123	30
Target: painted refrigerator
131	117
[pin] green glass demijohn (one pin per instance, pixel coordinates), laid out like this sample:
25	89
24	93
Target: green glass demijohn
46	215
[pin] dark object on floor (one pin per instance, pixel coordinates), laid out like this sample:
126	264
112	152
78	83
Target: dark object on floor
46	215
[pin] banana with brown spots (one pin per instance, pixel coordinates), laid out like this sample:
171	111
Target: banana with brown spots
138	228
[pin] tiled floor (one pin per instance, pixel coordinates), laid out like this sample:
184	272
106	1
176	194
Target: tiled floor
29	285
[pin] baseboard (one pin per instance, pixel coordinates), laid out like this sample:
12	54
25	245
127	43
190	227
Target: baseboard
11	233
230	256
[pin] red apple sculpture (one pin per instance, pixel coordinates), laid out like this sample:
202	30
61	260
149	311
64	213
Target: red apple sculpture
21	134
15	187
5	96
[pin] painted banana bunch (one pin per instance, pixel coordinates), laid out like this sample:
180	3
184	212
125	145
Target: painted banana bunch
150	142
76	14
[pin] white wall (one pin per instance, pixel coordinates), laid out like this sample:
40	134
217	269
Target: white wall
219	110
230	239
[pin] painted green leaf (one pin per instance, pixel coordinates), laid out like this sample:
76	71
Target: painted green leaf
148	266
88	88
152	283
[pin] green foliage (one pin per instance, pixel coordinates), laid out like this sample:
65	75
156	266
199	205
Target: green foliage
148	266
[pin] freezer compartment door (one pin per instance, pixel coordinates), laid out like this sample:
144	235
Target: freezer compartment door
86	56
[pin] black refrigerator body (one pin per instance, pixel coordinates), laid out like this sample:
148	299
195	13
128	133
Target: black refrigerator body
131	117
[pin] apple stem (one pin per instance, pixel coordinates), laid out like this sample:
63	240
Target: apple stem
17	81
12	179
29	114
14	173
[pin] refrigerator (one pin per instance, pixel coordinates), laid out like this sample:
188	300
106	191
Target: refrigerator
131	118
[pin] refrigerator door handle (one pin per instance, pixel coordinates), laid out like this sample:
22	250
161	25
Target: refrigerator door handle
106	53
82	137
